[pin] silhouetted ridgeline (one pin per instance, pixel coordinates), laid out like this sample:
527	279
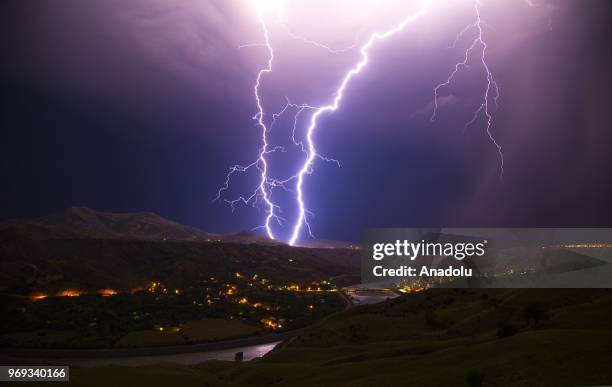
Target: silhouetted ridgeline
88	249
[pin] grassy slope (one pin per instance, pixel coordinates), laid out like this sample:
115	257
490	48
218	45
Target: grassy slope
394	343
207	329
51	265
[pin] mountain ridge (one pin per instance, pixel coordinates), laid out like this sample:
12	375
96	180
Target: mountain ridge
86	249
78	222
75	222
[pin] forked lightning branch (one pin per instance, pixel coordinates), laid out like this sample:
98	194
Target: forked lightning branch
262	195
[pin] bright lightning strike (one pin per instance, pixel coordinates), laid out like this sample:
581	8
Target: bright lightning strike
311	149
280	18
491	91
264	190
262	194
266	184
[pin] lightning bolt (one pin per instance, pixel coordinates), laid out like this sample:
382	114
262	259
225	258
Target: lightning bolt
311	149
266	184
264	189
264	131
262	194
280	18
491	91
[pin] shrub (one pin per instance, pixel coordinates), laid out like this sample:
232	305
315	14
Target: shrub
536	312
475	378
435	321
506	329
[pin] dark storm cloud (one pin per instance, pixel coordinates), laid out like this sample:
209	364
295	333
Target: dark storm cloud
103	46
107	103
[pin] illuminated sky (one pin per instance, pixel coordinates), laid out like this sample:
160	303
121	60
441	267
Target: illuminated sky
144	105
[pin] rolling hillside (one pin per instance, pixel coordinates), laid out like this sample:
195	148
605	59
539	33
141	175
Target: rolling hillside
88	249
525	337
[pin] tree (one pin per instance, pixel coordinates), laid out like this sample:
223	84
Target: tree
506	329
475	378
536	312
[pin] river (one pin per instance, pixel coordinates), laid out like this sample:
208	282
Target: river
249	353
360	295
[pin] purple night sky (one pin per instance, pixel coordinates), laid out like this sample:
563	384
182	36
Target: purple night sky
143	105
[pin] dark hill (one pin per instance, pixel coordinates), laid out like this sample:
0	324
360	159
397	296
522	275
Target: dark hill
85	222
87	249
76	222
441	337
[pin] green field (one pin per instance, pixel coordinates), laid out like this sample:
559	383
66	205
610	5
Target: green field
150	338
135	319
210	329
